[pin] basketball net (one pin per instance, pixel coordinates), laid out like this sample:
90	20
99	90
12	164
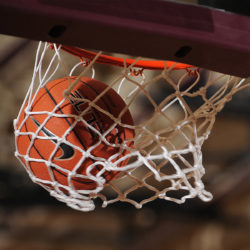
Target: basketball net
173	107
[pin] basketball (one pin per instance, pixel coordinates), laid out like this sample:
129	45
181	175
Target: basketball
69	140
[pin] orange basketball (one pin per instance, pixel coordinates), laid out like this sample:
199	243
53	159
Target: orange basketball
57	153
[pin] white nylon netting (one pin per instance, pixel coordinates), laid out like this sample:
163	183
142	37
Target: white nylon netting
173	112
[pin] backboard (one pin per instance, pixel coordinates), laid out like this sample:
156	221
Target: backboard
211	34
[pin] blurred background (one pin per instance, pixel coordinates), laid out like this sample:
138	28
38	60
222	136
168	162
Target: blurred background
31	219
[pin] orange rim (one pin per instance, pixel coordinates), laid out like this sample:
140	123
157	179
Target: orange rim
116	61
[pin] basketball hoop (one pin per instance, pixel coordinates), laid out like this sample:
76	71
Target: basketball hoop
173	106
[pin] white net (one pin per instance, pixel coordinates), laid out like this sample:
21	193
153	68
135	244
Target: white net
173	113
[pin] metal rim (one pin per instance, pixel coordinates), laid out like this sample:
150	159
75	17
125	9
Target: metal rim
120	62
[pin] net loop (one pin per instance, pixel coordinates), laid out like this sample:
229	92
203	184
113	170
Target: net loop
193	71
85	62
136	72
